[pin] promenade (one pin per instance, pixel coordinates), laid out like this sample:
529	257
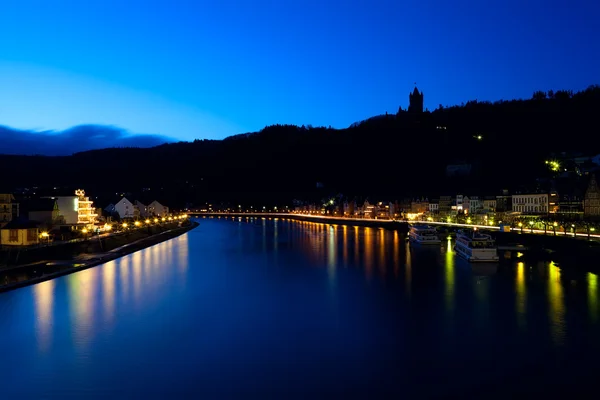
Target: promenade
392	222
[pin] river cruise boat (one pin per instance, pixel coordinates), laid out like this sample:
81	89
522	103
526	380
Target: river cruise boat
475	246
423	234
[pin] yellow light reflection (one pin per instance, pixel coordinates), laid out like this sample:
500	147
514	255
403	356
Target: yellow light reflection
183	257
521	301
396	254
368	259
356	246
556	301
82	295
331	254
592	280
43	294
108	290
136	272
345	245
382	260
408	268
449	277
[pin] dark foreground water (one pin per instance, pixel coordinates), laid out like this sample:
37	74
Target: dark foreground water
275	308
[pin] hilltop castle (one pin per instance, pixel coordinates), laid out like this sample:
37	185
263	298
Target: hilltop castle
415	99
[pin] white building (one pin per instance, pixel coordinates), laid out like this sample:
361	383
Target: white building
125	208
157	209
530	203
142	208
434	208
78	209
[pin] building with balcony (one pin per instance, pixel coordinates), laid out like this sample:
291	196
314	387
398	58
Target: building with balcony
76	210
534	204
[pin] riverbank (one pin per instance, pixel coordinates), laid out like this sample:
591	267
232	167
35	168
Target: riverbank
47	269
400	226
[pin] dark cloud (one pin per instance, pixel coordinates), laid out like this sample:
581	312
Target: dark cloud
76	139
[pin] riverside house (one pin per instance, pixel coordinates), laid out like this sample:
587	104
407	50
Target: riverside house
19	233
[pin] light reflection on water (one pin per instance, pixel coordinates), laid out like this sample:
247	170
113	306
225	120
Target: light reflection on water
557	304
44	303
205	304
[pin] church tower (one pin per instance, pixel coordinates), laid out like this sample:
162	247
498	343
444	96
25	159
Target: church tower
415	100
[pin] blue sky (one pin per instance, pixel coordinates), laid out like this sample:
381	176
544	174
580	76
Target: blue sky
209	69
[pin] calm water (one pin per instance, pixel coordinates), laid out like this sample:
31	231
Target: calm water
284	309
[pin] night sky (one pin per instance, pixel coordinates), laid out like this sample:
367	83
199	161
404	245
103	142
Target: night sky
210	69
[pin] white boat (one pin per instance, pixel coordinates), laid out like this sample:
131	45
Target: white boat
423	234
476	247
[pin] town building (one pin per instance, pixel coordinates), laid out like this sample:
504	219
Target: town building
434	207
9	209
76	210
19	232
445	205
125	208
142	209
489	204
504	202
535	204
44	211
591	201
157	209
419	206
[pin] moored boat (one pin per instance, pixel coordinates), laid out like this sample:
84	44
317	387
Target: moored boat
475	246
423	234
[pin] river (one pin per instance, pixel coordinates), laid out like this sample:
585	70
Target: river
278	308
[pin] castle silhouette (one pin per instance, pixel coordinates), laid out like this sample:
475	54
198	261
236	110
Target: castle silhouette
415	101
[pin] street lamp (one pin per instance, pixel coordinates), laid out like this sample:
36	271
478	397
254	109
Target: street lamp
45	236
124	225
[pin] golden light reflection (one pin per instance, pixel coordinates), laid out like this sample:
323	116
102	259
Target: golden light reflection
521	301
368	254
44	300
124	276
82	295
345	245
275	235
138	259
408	268
556	301
396	254
108	290
183	256
592	281
356	246
449	276
331	253
382	260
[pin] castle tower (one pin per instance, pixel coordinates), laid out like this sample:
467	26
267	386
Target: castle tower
415	101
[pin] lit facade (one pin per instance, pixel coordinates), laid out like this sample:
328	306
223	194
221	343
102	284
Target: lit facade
77	209
86	213
530	203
